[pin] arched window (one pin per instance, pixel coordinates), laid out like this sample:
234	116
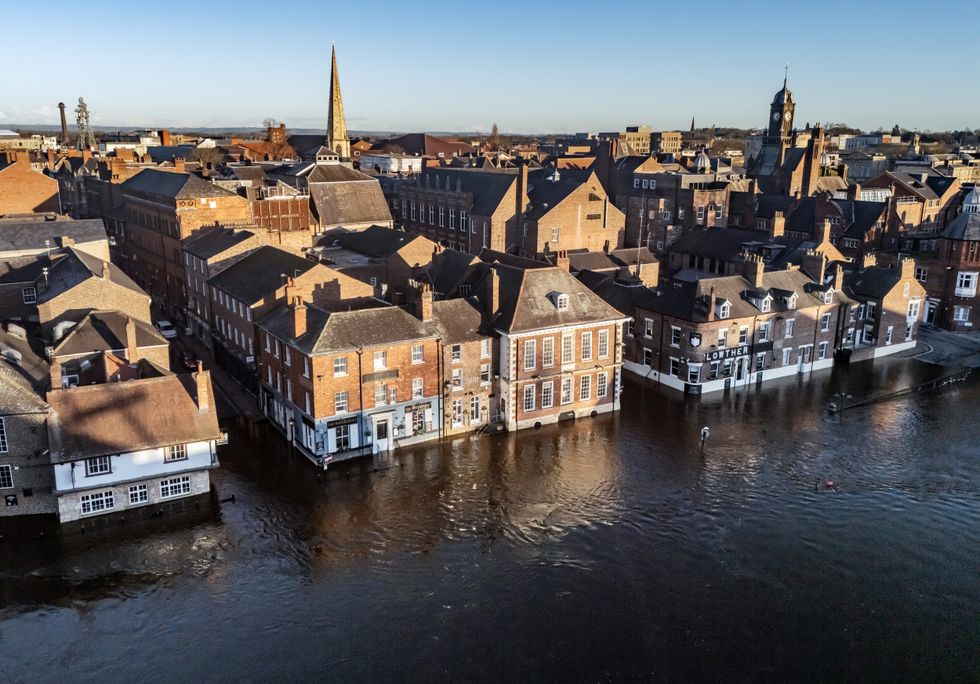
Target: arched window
562	302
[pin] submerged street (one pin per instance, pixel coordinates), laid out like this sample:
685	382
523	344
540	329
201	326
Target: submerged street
795	545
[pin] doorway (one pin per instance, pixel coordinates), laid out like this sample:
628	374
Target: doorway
381	435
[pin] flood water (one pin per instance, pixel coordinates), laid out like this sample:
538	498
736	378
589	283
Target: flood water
611	549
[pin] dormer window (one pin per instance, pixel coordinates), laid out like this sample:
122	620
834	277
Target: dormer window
724	309
561	302
828	296
791	301
765	304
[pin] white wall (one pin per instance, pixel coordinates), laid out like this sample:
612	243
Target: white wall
139	465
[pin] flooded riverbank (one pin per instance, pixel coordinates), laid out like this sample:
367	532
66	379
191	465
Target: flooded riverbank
612	548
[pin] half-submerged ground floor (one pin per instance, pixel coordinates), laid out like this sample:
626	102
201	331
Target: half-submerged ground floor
81	504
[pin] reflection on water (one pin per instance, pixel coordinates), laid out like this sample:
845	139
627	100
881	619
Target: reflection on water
612	548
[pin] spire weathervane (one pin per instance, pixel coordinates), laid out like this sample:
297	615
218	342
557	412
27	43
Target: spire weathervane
785	73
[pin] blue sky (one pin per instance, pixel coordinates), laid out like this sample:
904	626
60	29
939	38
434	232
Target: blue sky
529	66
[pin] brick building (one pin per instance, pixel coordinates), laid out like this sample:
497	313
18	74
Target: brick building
162	209
888	309
26	478
349	383
559	345
24	190
919	200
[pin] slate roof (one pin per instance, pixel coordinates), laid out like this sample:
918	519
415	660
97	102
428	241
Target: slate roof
612	260
719	243
259	273
375	241
26	269
17	395
106	331
119	417
348	203
67	270
336	173
966	226
545	192
451	268
860	216
328	332
457	320
487	187
622	297
167	153
303	143
24	235
213	241
527	300
873	282
425	144
173	185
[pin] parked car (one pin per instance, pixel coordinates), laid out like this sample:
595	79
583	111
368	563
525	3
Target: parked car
167	329
188	360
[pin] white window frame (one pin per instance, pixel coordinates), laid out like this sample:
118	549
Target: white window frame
175	486
98	465
529	398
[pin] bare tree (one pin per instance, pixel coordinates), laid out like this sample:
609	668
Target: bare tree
270	122
494	140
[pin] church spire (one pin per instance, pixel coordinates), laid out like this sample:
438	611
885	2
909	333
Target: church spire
337	139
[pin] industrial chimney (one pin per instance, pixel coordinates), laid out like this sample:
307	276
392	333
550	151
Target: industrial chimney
64	124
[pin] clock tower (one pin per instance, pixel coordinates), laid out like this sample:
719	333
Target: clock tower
781	116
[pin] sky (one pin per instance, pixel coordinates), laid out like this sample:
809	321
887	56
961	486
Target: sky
530	67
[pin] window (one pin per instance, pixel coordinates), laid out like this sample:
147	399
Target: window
380	360
719	212
432	215
675	366
547	395
485	374
176	452
722	338
665	214
908	332
306	366
97	502
675	336
603	344
825	322
555	235
601	385
3	437
700	213
547	352
966	284
888	334
418	388
275	347
457	412
630	326
340	402
961	313
418	353
790	324
921	273
342	437
561	302
6	477
822	350
475	410
308	399
138	494
567	349
587	346
585	387
268	343
411	207
485	348
787	355
647	357
528	398
456	352
765	304
442	217
566	391
175	487
403	209
725	310
694	373
743	334
452	219
100	465
636	182
287	356
380	393
457	379
648	328
760	361
29	295
913	309
530	354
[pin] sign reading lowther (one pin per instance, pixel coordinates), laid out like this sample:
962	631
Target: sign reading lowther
727	353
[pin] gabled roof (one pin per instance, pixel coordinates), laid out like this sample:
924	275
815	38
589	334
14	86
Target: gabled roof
336	173
547	188
350	203
457	320
119	417
487	187
376	241
625	298
173	185
720	243
17	395
451	268
873	282
966	226
106	331
260	273
24	235
328	332
425	144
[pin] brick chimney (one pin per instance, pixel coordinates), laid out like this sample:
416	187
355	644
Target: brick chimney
838	278
425	303
203	380
131	346
493	294
50	158
165	138
754	268
711	304
854	191
105	270
521	189
778	225
868	260
55	371
299	317
825	231
562	261
180	166
908	268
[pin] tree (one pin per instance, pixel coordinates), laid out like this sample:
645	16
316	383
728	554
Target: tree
494	141
896	130
270	122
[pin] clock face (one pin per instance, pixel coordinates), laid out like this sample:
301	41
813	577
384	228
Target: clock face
788	115
775	116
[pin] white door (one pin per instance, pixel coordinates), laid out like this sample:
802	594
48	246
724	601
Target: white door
382	438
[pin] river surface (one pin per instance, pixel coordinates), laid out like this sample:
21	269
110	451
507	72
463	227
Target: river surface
607	550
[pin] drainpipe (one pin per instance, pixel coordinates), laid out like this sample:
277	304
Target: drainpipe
360	399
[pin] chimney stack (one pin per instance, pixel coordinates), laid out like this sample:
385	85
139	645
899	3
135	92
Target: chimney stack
493	296
55	371
814	264
562	261
203	381
711	304
854	192
838	278
754	268
165	138
425	303
521	190
64	124
299	317
105	270
50	158
131	346
180	166
778	225
868	260
908	268
825	228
